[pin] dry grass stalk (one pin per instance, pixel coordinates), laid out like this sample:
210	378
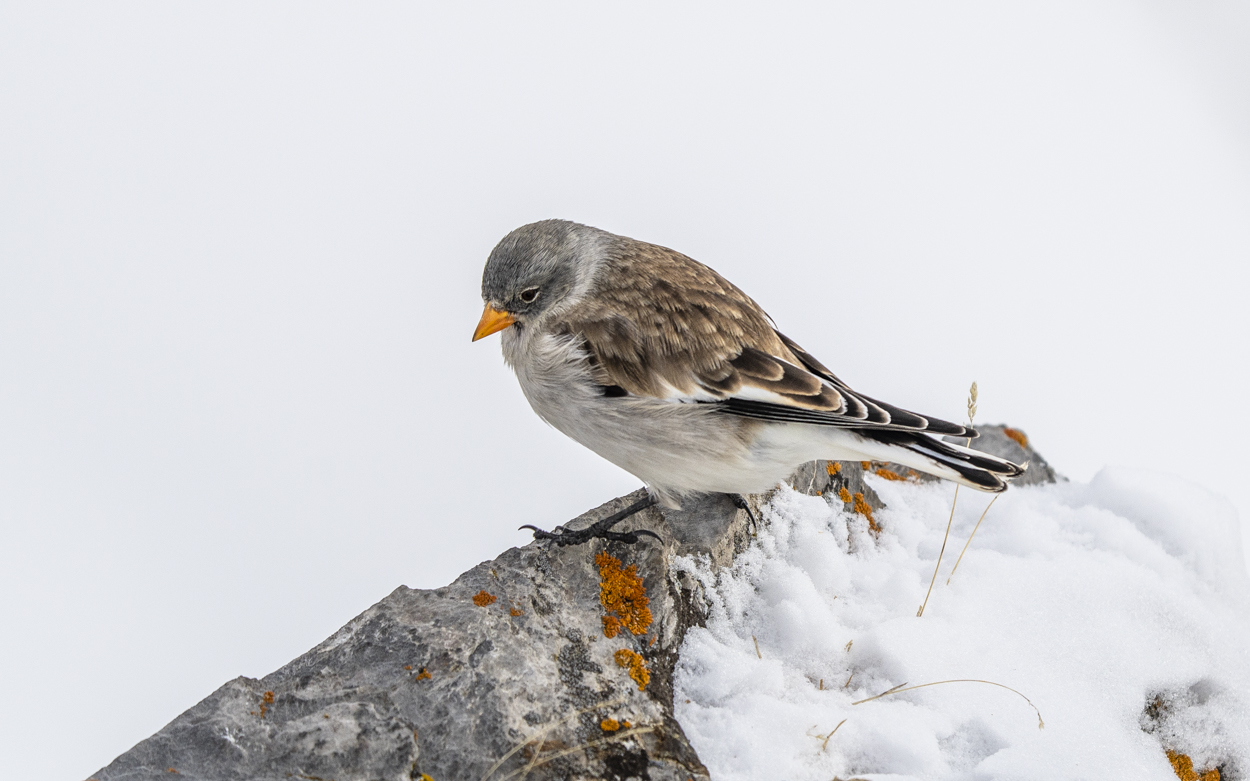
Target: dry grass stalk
538	749
758	655
945	537
523	772
972	413
903	687
970	536
824	743
541	735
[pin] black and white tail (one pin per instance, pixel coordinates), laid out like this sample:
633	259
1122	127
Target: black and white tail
939	458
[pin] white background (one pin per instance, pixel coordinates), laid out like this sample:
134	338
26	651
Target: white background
240	249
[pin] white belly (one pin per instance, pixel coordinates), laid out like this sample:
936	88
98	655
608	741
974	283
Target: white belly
675	448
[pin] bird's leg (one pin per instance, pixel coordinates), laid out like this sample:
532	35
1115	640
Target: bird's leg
740	502
600	529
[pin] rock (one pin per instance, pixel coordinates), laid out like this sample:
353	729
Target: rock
546	663
554	659
1013	445
1174	716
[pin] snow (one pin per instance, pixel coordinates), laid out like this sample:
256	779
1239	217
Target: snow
1091	600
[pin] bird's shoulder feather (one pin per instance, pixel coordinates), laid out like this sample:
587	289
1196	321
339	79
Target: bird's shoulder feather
660	324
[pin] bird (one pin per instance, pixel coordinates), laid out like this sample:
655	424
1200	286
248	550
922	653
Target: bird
663	367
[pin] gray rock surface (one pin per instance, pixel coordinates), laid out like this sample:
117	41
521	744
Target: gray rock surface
546	663
520	682
1014	445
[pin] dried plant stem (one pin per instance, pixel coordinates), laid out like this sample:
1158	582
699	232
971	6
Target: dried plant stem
903	687
542	733
945	537
825	742
972	414
970	536
538	748
597	742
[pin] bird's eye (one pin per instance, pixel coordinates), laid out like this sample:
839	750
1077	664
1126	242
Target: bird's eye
529	294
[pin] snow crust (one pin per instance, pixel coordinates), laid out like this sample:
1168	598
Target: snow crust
1090	599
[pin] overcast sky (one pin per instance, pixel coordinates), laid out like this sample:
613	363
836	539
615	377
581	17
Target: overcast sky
241	247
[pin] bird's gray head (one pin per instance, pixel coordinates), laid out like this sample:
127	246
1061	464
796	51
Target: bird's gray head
535	270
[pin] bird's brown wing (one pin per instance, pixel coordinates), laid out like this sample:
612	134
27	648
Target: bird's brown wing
662	325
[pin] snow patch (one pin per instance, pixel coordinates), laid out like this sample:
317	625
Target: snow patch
1091	600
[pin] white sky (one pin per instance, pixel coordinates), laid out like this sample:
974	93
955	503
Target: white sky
241	244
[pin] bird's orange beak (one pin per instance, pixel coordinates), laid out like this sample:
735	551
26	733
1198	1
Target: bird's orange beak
492	320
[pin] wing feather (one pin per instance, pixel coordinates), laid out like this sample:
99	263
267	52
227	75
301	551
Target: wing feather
663	325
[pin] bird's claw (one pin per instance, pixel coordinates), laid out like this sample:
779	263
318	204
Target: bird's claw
542	534
630	537
562	537
600	529
741	503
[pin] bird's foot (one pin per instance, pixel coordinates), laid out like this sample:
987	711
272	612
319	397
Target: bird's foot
601	530
562	536
741	503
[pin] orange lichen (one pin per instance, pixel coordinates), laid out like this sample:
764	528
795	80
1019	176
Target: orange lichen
863	508
407	667
623	597
888	474
866	464
1183	766
1020	439
422	674
265	701
171	770
611	626
833	467
636	665
516	611
609	725
482	598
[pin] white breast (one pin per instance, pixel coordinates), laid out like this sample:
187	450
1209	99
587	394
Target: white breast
674	448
